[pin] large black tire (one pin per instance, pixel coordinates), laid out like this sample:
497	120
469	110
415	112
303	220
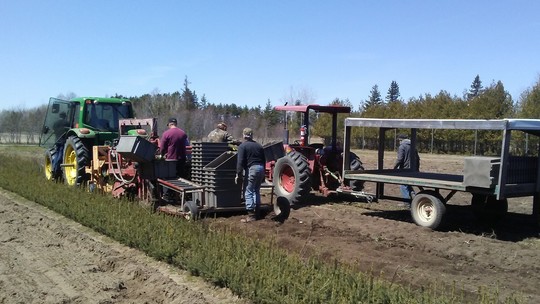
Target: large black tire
76	158
356	164
428	209
50	173
488	209
292	177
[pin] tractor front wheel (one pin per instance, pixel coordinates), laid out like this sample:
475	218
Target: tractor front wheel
50	173
292	177
356	164
76	158
191	211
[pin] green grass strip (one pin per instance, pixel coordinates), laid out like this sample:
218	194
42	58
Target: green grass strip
256	270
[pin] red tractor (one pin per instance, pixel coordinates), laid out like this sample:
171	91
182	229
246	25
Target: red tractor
314	166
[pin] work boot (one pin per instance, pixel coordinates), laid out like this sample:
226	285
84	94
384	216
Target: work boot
250	217
258	213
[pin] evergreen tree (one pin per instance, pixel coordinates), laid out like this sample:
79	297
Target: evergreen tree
393	92
476	88
189	98
529	106
493	103
271	116
375	99
204	102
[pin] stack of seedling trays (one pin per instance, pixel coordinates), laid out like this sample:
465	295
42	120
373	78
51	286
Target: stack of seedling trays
218	178
203	153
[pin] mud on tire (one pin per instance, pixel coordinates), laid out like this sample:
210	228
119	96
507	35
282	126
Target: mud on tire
292	177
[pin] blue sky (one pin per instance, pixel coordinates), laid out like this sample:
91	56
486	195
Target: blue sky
248	52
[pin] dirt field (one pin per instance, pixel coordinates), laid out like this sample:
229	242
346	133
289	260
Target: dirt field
381	238
45	258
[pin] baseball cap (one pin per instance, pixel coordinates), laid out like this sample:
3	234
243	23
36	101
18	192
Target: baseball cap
173	120
402	136
247	132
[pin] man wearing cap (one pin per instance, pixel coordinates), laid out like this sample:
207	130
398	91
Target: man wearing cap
61	125
404	161
173	145
250	165
220	134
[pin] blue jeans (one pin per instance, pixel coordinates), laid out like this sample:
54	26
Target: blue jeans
57	161
253	178
407	192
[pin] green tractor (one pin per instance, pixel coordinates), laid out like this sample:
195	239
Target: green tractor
71	129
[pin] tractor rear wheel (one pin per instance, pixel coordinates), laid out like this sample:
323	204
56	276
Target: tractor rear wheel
76	158
292	177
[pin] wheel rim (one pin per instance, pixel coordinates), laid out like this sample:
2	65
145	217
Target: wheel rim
425	210
70	169
48	168
287	181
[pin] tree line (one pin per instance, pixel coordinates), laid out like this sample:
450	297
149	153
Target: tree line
198	116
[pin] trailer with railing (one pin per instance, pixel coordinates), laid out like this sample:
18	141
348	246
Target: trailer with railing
490	179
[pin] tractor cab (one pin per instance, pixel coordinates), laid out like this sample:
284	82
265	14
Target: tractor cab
302	145
58	120
72	128
86	117
308	166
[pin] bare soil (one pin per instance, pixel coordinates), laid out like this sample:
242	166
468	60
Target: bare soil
381	238
45	258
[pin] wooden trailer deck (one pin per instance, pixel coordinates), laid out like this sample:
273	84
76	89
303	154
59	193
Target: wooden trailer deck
491	180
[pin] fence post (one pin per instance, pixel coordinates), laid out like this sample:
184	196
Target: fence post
432	136
475	140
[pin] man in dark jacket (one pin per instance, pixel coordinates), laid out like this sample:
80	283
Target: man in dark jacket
250	165
403	161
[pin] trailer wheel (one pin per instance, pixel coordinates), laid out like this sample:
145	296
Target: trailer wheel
76	158
292	177
487	208
191	211
427	209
